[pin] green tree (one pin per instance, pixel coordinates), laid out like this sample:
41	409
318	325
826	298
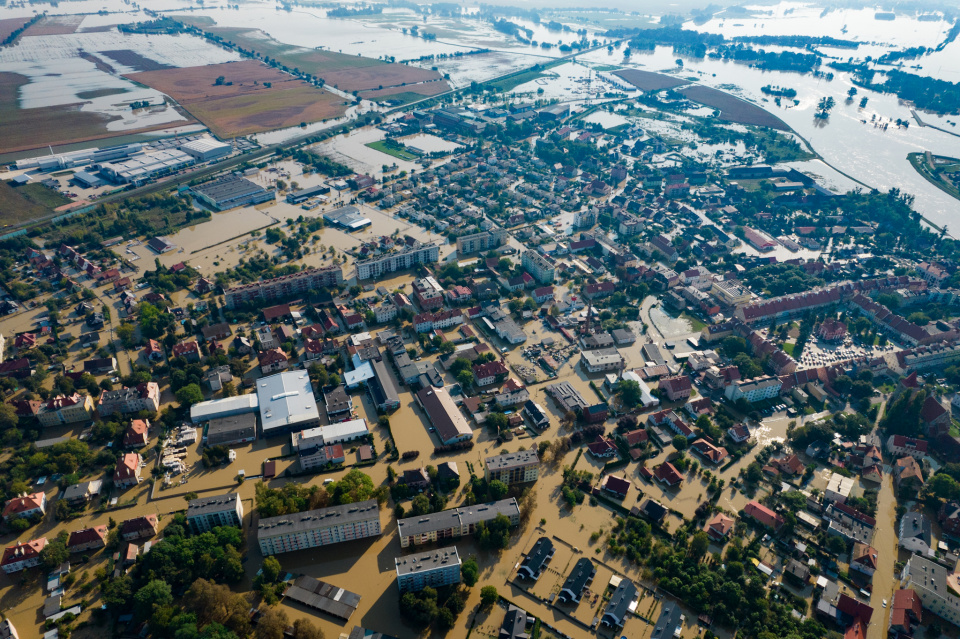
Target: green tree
420	505
629	391
488	596
497	490
355	486
699	545
497	420
8	417
470	571
680	442
54	553
271	570
155	594
189	395
465	379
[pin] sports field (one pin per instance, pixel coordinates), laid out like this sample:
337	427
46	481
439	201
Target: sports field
251	97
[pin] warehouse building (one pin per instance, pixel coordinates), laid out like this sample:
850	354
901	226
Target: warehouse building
226	407
445	415
206	513
296	197
434	568
347	218
230	192
455	522
139	169
79	158
320	527
324	597
233	429
206	148
286	403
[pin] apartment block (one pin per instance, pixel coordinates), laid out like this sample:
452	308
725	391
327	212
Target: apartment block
456	522
286	285
407	258
434	568
538	266
206	513
130	400
514	468
320	527
480	242
66	410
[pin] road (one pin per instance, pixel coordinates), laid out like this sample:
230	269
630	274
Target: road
885	541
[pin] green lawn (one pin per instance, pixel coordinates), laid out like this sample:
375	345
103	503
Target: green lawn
695	323
395	152
788	348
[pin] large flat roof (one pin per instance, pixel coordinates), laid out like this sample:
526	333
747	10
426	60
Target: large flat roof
457	517
205	411
231	428
317	519
429	560
324	597
286	399
214	504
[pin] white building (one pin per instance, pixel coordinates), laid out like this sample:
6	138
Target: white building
206	513
286	403
754	390
936	586
838	488
321	527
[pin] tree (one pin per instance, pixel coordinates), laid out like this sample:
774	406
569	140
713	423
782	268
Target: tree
629	391
497	490
465	378
498	421
699	545
304	629
54	553
355	486
488	596
189	395
420	505
680	442
470	571
8	417
155	594
271	569
271	624
447	347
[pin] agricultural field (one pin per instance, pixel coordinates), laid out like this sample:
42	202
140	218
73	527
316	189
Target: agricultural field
733	109
409	93
136	61
649	81
345	72
252	97
10	25
54	25
22	129
28	202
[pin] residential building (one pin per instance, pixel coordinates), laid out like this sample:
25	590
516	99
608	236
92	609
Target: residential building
864	559
398	261
731	292
576	582
139	528
602	360
273	360
754	390
763	515
284	286
87	539
916	533
567	398
22	555
536	560
622	601
137	434
719	527
667	474
82	493
537	414
905	612
936	585
514	468
898	445
130	400
66	410
206	513
434	568
538	266
455	522
320	527
25	505
677	388
127	472
481	242
849	523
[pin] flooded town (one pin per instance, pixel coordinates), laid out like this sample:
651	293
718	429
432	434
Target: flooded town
405	320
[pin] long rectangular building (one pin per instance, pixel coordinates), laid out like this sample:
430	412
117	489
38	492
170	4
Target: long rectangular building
324	597
445	415
283	286
230	192
321	527
407	258
455	522
433	568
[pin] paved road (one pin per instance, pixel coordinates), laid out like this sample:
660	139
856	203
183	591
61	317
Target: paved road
885	541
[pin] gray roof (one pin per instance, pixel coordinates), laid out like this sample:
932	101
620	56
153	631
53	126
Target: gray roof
336	400
424	561
667	622
567	396
210	505
82	490
324	597
231	428
513	460
228	188
620	601
538	556
286	399
444	414
583	571
384	389
317	519
457	517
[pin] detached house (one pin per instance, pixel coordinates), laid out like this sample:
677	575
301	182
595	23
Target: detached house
25	506
22	555
127	473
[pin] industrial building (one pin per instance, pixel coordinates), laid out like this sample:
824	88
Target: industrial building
455	522
320	527
226	407
434	568
233	429
445	415
230	192
83	157
324	597
347	218
139	169
383	390
286	403
206	148
296	197
206	513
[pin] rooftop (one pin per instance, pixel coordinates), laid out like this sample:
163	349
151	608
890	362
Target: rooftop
428	560
286	399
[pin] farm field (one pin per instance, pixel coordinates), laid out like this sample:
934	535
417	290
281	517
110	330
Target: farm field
136	61
243	104
409	93
54	25
10	25
345	72
28	202
649	81
733	109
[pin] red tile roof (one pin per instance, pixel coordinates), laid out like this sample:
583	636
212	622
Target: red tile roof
764	515
23	504
668	474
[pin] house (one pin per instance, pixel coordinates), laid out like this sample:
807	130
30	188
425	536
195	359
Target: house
796	572
621	601
579	578
127	473
676	388
25	505
667	474
906	611
616	486
137	434
272	361
907	474
415	480
763	515
898	445
915	533
738	433
864	559
139	528
789	465
934	418
602	448
536	560
490	372
152	351
82	493
653	510
719	527
189	351
710	453
87	539
22	555
949	518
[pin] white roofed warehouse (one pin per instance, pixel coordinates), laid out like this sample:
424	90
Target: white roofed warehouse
287	403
